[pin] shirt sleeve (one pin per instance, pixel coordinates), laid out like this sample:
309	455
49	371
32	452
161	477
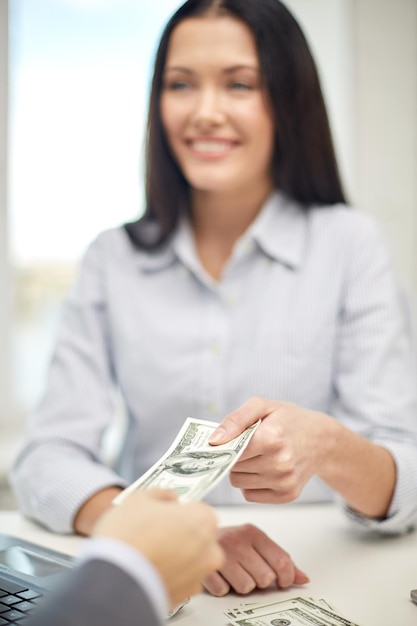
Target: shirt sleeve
134	564
61	464
375	371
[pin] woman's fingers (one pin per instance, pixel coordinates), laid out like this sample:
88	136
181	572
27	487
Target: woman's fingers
239	420
253	561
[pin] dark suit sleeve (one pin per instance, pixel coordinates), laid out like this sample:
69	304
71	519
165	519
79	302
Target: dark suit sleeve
96	592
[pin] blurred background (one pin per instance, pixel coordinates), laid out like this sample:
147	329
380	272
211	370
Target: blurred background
74	78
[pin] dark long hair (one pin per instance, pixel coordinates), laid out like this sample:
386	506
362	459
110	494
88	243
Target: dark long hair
304	163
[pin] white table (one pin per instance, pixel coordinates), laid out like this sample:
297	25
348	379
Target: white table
367	578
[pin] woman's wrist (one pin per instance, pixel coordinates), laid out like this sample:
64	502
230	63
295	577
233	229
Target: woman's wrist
93	508
360	471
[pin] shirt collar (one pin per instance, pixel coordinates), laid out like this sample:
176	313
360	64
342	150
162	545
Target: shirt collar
155	261
179	246
280	232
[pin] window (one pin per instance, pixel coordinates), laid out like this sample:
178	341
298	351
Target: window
79	74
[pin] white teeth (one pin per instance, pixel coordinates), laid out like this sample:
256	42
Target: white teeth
210	146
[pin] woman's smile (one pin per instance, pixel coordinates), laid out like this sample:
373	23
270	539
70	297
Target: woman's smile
211	148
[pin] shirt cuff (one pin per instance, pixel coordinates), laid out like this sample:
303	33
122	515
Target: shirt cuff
402	513
134	564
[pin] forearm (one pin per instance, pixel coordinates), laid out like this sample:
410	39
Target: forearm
363	473
52	481
93	508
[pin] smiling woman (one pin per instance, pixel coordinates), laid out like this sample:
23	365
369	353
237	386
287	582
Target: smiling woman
78	90
78	72
78	77
248	289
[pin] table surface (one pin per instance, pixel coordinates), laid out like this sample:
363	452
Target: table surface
367	577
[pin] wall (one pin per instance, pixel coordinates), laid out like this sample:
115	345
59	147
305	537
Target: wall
386	113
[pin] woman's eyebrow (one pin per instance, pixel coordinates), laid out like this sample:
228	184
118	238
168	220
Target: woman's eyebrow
178	68
227	70
241	66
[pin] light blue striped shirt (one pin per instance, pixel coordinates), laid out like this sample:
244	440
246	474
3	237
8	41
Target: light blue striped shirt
308	311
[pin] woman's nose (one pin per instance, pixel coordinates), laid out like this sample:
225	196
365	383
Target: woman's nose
208	110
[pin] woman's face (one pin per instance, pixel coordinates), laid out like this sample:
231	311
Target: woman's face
214	108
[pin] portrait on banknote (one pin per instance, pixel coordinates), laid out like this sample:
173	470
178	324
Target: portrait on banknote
198	462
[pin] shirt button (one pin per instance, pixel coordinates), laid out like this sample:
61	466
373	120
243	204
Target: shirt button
213	409
216	348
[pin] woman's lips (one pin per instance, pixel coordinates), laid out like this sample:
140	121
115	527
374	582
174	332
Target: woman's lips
211	147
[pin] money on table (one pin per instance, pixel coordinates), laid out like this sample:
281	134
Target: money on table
294	612
191	466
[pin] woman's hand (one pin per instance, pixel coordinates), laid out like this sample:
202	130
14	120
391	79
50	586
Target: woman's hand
286	450
292	444
252	561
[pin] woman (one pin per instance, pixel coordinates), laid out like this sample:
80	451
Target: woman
247	278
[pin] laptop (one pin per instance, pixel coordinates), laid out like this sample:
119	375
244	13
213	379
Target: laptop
27	572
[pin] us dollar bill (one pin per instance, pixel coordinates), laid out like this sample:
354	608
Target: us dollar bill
191	466
295	612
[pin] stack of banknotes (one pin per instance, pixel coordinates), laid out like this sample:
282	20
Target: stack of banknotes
294	612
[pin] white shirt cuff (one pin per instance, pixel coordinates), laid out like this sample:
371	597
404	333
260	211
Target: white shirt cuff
134	564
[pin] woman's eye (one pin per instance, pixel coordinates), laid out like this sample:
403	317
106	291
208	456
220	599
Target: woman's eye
239	86
177	85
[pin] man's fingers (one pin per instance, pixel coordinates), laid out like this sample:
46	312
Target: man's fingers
168	495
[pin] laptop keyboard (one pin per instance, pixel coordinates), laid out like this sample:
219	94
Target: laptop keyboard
16	602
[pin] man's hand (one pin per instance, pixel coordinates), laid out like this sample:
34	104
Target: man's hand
178	539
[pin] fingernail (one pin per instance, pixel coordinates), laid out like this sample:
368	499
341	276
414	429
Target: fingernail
267	581
217	436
